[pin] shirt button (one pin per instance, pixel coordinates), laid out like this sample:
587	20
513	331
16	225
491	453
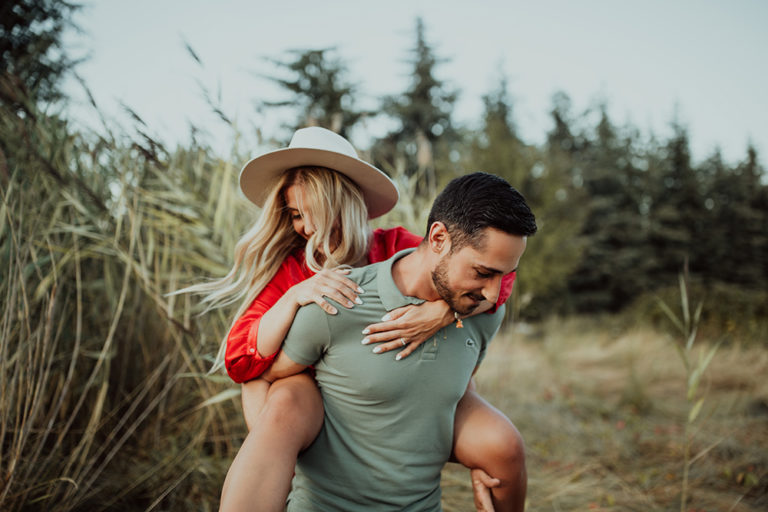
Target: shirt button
251	350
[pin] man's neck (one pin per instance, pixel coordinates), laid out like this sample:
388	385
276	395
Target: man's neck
412	277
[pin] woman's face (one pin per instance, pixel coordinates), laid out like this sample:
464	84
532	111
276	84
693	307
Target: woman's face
295	199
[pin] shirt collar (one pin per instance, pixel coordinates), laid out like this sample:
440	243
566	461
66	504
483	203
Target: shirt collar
391	296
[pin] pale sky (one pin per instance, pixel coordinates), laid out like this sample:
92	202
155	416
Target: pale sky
704	59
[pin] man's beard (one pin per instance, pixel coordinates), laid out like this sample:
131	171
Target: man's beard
440	279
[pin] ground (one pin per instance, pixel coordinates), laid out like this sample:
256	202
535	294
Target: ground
603	409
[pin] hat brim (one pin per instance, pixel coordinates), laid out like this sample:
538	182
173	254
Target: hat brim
260	175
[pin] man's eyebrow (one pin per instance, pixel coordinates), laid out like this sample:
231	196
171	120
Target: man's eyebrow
490	270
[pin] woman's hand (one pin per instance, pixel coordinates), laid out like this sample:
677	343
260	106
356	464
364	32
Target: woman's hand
408	327
327	283
482	483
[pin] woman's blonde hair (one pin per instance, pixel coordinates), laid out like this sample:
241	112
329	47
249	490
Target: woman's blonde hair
337	209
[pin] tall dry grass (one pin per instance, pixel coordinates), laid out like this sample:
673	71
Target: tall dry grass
105	401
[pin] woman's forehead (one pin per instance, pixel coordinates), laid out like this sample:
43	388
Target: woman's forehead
295	196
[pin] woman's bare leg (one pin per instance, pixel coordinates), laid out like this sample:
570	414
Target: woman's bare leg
290	419
484	438
254	396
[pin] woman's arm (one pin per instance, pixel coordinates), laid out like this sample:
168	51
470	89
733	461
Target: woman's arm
409	326
278	319
255	338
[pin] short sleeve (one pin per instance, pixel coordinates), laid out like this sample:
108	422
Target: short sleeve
309	336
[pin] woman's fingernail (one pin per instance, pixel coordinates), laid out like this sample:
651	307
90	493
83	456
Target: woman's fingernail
385	318
366	331
398	357
377	350
365	341
358	300
360	290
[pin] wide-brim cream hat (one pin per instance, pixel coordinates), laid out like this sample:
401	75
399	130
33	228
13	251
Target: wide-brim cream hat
315	146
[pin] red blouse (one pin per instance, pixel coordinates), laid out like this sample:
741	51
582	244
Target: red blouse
242	359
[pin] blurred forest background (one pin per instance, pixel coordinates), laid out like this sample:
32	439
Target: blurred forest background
106	402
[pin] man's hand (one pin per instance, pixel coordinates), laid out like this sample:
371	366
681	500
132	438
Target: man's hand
482	483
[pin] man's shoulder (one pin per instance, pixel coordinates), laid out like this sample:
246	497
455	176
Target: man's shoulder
308	316
366	274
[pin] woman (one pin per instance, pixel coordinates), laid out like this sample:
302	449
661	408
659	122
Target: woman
317	196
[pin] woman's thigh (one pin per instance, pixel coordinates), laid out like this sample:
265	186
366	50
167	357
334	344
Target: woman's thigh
253	395
292	402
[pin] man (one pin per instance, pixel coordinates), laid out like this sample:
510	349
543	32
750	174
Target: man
388	427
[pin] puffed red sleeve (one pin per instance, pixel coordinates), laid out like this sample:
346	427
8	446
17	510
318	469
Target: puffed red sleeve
242	359
506	290
386	242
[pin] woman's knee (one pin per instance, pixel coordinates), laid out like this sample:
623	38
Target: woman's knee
503	446
487	439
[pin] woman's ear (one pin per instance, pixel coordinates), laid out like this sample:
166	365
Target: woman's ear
439	239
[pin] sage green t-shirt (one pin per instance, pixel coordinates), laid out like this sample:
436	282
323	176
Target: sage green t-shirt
388	427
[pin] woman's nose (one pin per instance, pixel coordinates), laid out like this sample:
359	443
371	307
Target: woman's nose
308	228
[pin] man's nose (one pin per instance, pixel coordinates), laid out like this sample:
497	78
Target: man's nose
492	290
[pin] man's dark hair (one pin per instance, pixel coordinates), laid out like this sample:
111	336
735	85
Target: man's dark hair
471	203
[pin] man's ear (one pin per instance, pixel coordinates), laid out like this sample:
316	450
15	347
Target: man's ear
439	239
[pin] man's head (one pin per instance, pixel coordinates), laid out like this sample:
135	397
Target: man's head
477	231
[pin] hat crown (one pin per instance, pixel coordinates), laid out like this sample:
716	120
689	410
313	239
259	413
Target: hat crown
316	137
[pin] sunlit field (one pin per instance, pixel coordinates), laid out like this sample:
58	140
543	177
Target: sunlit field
602	408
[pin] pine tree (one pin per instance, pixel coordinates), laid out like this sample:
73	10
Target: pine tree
614	264
32	57
677	212
735	222
319	88
425	132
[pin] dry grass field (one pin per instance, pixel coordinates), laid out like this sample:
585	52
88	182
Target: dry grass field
602	409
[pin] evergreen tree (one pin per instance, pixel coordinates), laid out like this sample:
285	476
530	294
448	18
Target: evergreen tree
496	145
736	234
32	58
425	132
677	212
614	265
319	87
